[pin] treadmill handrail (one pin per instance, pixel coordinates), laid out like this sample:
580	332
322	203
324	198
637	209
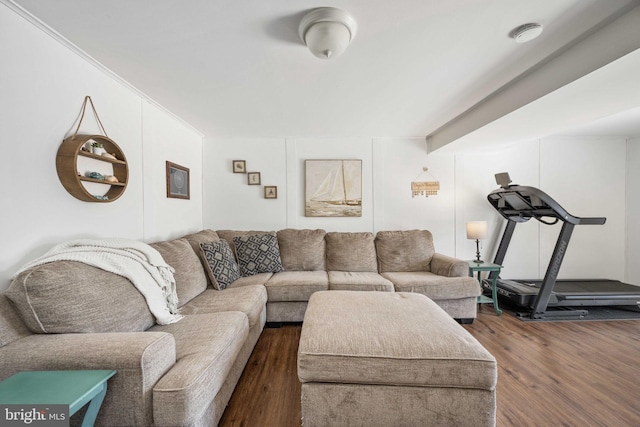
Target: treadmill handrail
547	208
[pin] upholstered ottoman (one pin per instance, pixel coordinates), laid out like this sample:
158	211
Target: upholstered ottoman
391	359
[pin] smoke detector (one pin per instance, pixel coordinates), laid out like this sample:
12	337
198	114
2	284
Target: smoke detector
526	32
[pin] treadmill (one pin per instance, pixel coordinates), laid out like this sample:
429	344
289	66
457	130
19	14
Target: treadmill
550	298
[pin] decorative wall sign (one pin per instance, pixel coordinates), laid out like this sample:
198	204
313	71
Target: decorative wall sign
177	181
270	192
253	178
333	188
239	166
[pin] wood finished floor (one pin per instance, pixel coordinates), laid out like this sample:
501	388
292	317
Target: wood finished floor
549	374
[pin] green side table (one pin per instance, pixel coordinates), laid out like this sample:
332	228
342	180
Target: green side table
73	388
479	267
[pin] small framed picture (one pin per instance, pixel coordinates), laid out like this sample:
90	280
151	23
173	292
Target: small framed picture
270	192
253	178
239	166
177	181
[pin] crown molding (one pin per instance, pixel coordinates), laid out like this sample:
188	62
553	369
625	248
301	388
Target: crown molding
19	10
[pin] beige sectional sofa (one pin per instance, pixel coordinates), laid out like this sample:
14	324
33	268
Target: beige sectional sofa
69	315
403	261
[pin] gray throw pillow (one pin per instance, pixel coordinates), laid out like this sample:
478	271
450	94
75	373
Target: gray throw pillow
258	254
221	268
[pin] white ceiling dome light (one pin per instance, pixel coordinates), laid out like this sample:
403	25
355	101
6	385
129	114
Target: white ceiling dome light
327	31
526	32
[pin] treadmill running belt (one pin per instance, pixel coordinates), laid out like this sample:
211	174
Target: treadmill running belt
591	287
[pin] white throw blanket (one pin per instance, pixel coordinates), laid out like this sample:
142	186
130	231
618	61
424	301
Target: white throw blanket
136	261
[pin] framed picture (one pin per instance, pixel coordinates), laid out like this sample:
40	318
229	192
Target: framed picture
239	166
177	181
270	192
333	188
253	178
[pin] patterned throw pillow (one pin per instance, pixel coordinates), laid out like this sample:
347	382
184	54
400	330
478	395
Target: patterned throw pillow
258	254
222	268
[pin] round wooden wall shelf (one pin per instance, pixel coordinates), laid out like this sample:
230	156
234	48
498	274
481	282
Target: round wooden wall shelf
71	178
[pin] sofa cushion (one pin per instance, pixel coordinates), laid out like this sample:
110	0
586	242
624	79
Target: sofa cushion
258	253
257	279
73	297
296	285
204	236
358	281
409	250
302	250
351	252
189	273
250	300
221	265
207	346
434	286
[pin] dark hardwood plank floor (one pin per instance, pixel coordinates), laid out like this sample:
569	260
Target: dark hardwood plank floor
268	392
549	374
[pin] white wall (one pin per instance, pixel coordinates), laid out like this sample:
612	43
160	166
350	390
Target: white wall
167	139
229	202
396	163
388	167
585	175
475	178
43	85
633	211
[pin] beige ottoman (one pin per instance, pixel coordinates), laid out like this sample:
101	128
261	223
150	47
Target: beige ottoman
391	359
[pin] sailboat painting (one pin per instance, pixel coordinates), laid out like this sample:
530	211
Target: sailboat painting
333	188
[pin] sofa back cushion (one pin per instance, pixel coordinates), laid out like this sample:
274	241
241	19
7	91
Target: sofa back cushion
354	252
302	250
190	277
409	250
72	297
196	239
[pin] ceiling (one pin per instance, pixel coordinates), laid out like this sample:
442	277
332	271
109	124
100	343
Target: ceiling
238	68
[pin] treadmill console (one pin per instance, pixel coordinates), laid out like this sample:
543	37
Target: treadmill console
520	203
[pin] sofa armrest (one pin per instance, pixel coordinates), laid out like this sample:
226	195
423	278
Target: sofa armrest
141	359
444	265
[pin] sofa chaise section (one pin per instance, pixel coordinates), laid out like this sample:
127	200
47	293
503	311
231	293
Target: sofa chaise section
69	315
207	347
409	260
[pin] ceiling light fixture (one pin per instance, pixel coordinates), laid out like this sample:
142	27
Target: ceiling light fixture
526	32
327	31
